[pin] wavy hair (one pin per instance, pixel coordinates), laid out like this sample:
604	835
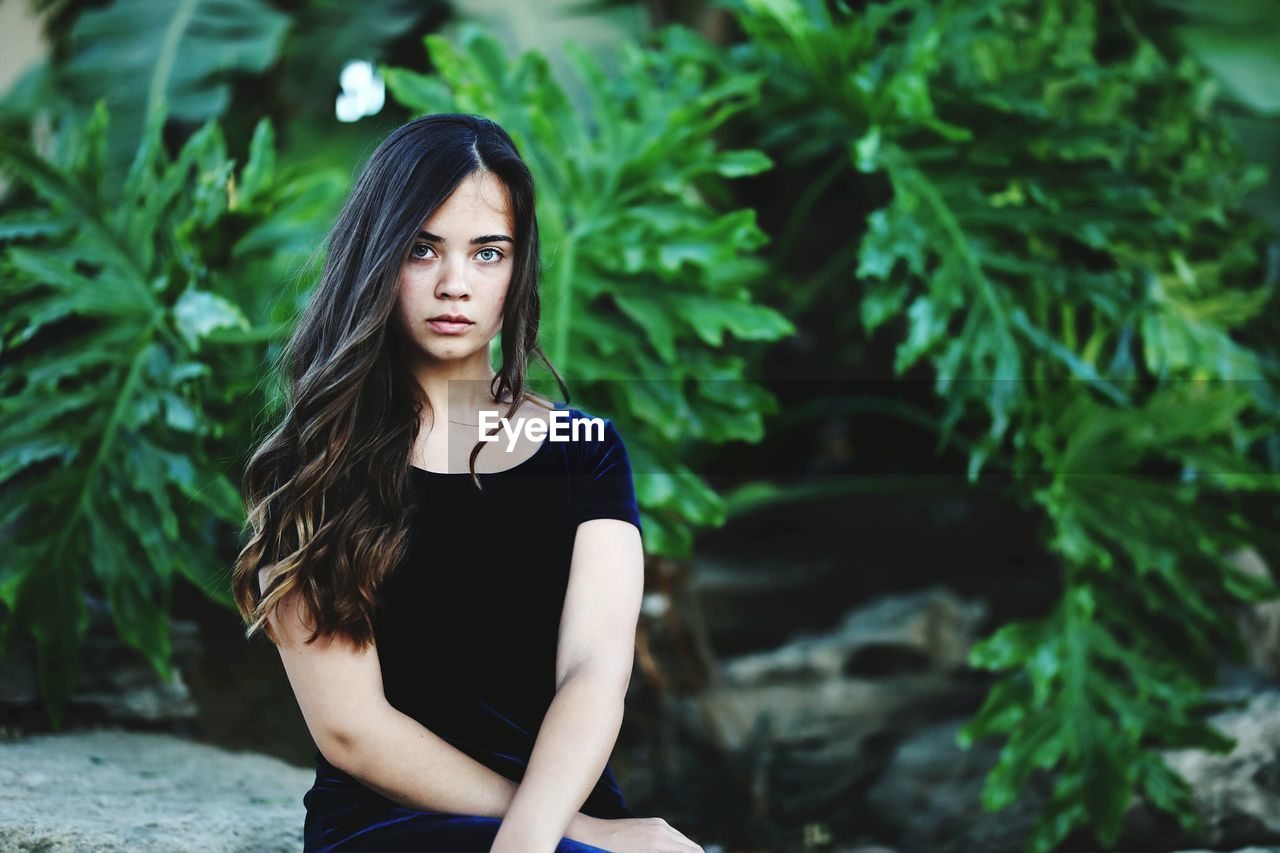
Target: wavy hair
327	492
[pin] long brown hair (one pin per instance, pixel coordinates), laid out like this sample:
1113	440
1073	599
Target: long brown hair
327	491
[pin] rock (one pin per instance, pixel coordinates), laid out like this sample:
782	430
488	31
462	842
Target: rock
926	631
931	792
1241	850
17	682
117	684
750	602
798	565
810	716
1237	794
111	790
1259	623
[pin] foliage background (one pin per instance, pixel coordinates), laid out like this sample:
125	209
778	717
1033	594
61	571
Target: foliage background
1039	238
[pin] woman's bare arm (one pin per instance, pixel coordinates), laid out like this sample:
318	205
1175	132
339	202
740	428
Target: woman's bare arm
594	656
339	691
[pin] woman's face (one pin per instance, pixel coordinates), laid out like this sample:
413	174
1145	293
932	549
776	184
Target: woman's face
459	265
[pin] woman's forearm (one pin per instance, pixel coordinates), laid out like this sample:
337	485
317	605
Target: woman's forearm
409	764
573	745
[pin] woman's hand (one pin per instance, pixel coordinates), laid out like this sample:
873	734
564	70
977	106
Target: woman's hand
631	835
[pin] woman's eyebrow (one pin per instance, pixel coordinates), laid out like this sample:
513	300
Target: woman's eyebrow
487	238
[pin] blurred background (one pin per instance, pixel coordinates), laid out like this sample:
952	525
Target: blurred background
942	335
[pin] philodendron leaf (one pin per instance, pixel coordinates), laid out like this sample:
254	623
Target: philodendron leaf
198	312
643	274
184	54
110	472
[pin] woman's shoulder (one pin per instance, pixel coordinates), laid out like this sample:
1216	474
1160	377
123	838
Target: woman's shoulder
584	434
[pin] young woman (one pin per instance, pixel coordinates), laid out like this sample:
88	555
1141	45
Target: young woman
456	617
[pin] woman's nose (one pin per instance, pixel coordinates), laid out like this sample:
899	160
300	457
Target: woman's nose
452	284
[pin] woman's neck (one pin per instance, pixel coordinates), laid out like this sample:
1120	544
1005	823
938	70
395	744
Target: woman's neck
459	395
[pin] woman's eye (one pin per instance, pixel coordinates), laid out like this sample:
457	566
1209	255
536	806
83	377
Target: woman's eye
494	255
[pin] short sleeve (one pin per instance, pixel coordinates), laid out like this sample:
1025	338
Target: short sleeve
605	488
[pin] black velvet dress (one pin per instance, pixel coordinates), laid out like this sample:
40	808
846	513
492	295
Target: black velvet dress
467	630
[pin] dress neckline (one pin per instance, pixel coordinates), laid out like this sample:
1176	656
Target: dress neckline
541	448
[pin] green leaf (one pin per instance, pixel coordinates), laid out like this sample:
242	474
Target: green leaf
710	318
187	52
113	420
738	164
198	312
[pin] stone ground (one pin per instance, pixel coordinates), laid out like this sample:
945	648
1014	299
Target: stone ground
112	790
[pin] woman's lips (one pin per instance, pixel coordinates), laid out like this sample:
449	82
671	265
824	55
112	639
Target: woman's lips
449	327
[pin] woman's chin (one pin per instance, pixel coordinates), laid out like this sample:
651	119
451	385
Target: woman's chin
451	352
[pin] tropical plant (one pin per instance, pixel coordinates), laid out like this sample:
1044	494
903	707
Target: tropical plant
647	295
127	358
1063	249
230	61
1236	42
